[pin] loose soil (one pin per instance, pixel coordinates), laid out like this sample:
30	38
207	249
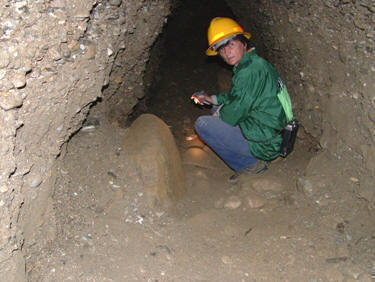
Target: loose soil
261	229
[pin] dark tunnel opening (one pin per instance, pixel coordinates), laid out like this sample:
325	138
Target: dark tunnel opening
178	66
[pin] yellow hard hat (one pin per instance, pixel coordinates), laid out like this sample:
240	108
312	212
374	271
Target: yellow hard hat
220	31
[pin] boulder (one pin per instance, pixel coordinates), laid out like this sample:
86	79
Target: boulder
158	160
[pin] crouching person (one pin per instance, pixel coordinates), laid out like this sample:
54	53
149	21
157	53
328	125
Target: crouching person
245	128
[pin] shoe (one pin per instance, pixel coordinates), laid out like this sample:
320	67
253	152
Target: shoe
258	168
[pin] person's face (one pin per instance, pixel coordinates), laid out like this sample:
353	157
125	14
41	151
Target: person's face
233	52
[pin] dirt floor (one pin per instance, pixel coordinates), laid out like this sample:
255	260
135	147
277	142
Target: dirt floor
267	227
261	229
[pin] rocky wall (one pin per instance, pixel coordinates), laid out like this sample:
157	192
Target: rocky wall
57	58
324	50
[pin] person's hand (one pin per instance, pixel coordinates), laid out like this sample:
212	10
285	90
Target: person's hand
201	98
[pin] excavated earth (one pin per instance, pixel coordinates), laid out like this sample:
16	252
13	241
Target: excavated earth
94	187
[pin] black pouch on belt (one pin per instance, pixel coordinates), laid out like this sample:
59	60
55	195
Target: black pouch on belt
289	134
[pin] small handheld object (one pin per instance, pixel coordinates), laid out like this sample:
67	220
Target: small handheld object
198	98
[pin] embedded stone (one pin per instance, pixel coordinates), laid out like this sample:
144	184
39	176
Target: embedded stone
305	186
116	3
226	260
90	51
21	5
3	189
36	182
232	203
27	65
255	201
359	24
19	80
82	13
3	72
54	53
152	145
4	59
58	3
263	185
10	101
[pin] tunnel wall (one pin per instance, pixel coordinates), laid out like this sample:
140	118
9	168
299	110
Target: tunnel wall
324	50
57	58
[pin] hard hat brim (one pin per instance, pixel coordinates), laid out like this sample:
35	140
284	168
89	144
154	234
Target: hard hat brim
211	51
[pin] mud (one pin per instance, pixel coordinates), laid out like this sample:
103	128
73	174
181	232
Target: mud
68	64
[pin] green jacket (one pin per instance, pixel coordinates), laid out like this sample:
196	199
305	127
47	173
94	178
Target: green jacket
253	105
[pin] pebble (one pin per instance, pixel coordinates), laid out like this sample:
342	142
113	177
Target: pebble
141	269
119	79
2	74
262	185
226	260
36	182
20	5
58	3
54	53
115	2
88	128
81	13
10	101
354	179
305	186
232	203
3	189
19	80
27	65
356	96
90	51
255	201
4	59
359	25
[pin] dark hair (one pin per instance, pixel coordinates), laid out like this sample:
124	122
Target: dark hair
238	37
243	40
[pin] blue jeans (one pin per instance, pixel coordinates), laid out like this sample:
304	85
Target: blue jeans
226	141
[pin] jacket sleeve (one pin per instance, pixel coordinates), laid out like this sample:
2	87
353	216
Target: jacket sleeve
222	98
238	104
